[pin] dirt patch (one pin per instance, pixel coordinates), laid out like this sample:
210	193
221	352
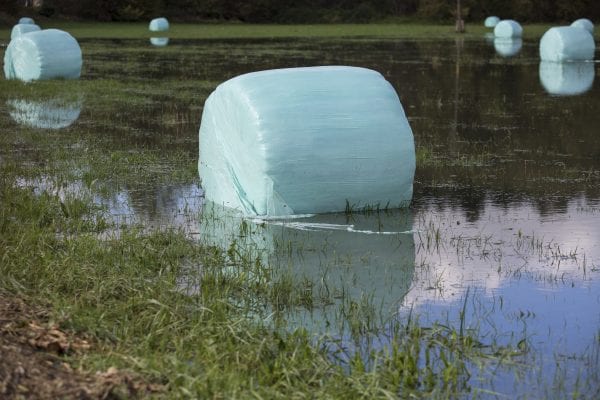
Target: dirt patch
33	365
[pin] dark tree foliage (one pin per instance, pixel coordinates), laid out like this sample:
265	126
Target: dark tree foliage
307	11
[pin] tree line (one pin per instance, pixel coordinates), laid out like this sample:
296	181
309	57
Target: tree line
308	11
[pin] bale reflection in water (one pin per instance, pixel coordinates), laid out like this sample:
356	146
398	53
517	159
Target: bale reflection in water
508	47
566	79
159	41
358	266
48	114
489	37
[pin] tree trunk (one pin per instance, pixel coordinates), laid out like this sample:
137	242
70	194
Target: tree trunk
460	24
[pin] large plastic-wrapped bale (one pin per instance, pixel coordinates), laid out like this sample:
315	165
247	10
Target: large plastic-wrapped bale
21	29
584	23
45	54
26	20
508	47
306	140
491	21
47	114
508	28
566	79
159	24
567	43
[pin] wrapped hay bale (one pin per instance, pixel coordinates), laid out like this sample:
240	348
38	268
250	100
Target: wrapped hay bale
566	79
159	24
26	20
306	140
584	23
508	28
508	47
49	114
21	29
159	41
491	21
45	54
567	43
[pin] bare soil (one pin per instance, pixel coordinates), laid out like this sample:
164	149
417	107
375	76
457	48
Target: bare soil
34	362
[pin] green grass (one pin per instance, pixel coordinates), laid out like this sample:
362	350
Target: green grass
86	30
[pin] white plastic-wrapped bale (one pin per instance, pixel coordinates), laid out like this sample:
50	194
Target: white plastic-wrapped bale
567	43
21	29
306	140
26	20
159	41
49	114
508	47
491	21
159	24
45	54
508	28
584	23
566	79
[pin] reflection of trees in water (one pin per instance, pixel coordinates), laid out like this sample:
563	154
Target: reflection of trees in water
550	205
497	95
503	133
471	202
466	200
162	205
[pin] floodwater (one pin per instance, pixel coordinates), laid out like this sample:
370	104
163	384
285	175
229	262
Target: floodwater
505	221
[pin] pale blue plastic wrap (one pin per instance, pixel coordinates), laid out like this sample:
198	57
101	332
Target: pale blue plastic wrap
26	20
159	24
566	79
45	54
567	43
306	140
508	28
491	21
508	47
21	29
584	23
159	41
49	114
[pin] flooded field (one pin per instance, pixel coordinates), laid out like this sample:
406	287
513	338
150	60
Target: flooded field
502	239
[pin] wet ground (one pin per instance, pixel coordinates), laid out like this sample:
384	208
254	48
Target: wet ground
504	230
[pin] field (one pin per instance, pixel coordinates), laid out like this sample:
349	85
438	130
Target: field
109	288
248	31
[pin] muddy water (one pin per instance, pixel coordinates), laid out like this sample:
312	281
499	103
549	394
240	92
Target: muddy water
506	210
